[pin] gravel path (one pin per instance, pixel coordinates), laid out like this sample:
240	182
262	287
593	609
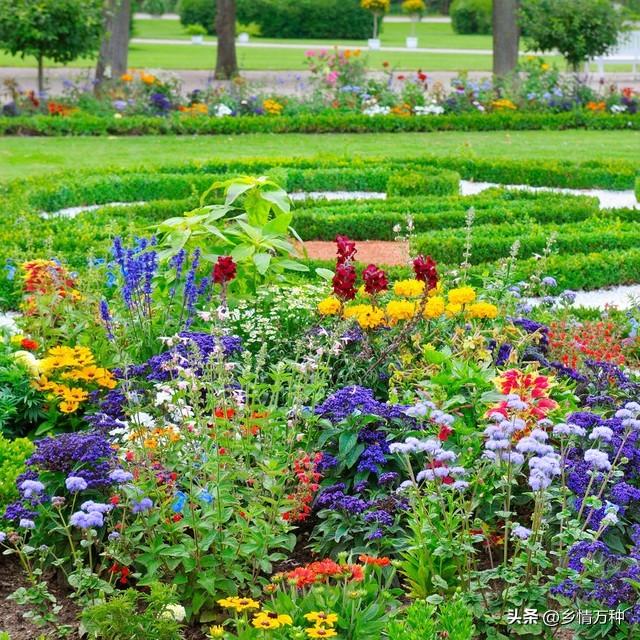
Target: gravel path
369	251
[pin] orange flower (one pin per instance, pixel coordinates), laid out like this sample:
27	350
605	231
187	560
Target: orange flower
380	562
596	106
126	77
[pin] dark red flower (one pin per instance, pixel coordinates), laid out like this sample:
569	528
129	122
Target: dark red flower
27	343
344	281
224	270
425	270
422	76
346	249
444	433
375	280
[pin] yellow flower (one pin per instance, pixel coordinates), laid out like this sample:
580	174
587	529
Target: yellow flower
482	310
321	617
29	361
216	631
239	604
272	107
504	103
147	78
126	77
545	66
75	394
329	306
463	295
453	309
434	307
400	310
321	632
370	317
409	288
354	311
17	339
68	407
270	620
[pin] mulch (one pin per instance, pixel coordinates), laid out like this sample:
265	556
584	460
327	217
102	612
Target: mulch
369	251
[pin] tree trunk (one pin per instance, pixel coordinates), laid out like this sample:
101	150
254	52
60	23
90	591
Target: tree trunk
506	36
40	75
226	62
114	48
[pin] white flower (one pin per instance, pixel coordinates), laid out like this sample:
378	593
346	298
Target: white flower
221	110
142	419
174	612
432	109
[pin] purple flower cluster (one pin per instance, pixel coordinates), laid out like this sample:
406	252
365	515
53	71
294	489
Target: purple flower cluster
346	401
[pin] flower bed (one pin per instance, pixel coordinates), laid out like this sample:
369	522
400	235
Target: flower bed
383	454
339	96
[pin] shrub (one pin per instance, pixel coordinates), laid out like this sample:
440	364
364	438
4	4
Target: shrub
429	182
202	12
471	16
13	454
307	18
579	29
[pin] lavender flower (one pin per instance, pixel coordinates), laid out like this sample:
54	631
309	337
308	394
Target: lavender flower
76	484
521	532
25	523
144	505
597	459
31	487
121	476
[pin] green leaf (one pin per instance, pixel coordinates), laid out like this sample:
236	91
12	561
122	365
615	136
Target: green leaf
262	261
278	225
292	265
325	274
242	251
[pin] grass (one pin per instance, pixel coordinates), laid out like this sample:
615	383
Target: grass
431	35
31	156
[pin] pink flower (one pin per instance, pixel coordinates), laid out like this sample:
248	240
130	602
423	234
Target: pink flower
310	53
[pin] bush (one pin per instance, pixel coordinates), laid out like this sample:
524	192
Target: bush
202	12
471	16
430	182
13	454
340	19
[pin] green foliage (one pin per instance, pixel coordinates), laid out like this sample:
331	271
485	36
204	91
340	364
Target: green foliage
579	29
257	236
429	182
421	620
341	19
471	16
334	122
13	454
135	615
202	12
61	30
20	404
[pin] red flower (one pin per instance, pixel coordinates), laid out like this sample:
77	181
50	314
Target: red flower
444	433
344	281
425	270
225	413
114	500
422	76
129	457
176	517
380	562
346	249
29	344
224	270
123	571
375	280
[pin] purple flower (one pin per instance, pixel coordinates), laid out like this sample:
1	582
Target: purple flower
75	484
84	520
521	532
142	506
25	523
31	487
597	459
121	476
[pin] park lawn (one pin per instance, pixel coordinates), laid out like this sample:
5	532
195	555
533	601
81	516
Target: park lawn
31	156
431	35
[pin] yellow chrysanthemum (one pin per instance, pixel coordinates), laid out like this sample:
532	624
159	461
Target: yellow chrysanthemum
216	631
462	295
400	310
409	288
320	632
321	617
453	309
270	620
482	310
434	307
329	306
370	317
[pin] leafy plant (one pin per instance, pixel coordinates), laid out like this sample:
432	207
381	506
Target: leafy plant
252	226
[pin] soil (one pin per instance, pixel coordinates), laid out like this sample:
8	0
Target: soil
369	251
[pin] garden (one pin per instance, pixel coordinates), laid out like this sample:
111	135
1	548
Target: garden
357	358
210	433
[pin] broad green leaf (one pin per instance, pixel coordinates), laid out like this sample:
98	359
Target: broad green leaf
262	261
292	265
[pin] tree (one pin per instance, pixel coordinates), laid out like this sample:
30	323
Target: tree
61	30
579	29
506	36
114	48
227	61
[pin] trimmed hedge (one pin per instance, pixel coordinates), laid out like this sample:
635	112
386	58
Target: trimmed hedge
428	182
332	122
638	189
491	242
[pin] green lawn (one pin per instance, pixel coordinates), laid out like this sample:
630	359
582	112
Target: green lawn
431	35
30	156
